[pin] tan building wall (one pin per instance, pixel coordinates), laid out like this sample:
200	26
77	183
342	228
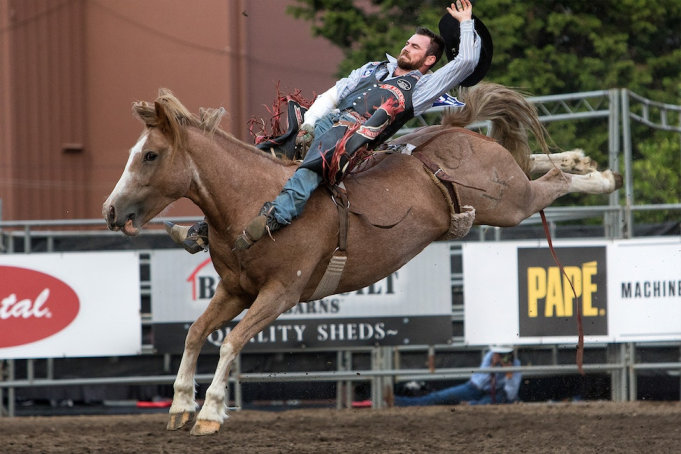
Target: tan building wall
70	70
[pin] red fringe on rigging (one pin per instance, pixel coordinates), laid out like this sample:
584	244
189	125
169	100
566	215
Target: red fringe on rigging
332	167
258	127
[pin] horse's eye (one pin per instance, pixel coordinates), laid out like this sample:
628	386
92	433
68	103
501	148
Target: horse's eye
150	156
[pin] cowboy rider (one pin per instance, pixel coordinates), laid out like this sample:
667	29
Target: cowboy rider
365	108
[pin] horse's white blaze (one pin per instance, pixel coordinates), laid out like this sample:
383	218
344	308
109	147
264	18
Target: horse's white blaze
126	177
215	405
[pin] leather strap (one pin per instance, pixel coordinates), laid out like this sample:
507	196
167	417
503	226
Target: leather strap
446	179
439	172
340	198
334	270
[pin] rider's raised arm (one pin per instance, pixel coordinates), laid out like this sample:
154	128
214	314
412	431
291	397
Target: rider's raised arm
432	86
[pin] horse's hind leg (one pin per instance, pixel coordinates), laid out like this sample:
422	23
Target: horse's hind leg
573	162
222	308
545	190
271	303
521	201
596	182
532	196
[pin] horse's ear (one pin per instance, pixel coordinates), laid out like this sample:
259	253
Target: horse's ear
162	118
145	113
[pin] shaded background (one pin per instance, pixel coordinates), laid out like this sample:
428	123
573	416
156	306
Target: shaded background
70	70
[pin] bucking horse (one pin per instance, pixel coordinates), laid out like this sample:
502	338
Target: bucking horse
430	185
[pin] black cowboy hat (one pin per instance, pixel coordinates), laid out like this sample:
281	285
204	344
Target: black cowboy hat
450	31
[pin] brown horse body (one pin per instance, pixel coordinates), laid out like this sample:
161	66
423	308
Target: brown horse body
180	155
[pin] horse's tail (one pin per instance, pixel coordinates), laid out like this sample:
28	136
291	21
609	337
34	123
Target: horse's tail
511	116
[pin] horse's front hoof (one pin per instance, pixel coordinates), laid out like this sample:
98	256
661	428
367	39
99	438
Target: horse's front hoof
203	427
179	420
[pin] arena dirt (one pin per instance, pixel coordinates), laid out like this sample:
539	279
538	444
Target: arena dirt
587	427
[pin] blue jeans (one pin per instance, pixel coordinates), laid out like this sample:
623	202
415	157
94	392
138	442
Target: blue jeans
292	199
298	189
466	392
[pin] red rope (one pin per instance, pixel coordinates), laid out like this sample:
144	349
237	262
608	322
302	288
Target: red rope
580	328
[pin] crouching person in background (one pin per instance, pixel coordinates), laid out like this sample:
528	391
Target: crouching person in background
482	388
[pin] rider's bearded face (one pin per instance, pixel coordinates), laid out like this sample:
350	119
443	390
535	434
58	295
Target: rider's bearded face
413	55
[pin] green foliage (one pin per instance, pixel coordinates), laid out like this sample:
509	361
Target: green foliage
366	30
545	47
656	176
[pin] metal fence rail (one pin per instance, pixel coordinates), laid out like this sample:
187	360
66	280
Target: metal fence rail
622	365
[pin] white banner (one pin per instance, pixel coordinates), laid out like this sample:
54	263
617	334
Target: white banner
628	290
69	305
182	286
645	287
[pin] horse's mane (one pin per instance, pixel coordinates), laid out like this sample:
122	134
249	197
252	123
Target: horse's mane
511	116
179	117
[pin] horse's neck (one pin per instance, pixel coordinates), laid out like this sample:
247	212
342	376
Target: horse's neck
231	180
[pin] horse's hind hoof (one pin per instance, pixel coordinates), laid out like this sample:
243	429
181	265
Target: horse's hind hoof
205	428
179	420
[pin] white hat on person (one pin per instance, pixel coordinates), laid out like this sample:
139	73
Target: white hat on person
501	348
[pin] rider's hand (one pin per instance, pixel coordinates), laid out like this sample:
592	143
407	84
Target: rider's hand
304	138
462	10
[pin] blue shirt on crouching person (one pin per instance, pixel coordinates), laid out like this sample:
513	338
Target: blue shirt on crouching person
478	389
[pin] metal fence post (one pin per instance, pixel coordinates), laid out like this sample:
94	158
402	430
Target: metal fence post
349	395
631	361
628	177
340	367
3	410
27	239
615	376
238	393
50	368
376	395
11	392
623	358
613	219
381	386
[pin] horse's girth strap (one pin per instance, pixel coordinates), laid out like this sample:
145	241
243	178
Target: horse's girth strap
334	270
340	198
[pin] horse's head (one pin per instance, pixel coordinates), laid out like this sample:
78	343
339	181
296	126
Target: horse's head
158	170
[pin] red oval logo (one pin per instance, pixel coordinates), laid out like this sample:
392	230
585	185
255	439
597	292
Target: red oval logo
33	306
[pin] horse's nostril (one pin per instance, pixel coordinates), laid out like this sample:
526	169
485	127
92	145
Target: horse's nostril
112	213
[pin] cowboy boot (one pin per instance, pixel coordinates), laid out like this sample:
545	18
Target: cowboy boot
256	228
194	239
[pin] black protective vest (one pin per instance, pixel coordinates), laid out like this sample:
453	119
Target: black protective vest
364	100
370	93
